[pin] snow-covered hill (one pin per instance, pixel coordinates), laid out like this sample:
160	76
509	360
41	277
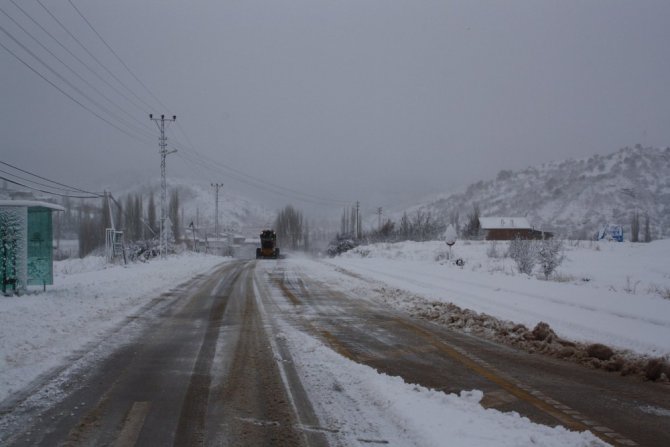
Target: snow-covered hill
236	213
574	197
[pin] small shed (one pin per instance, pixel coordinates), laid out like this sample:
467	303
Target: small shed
26	243
508	228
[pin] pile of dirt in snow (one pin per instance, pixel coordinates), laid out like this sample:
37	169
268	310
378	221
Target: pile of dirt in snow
541	339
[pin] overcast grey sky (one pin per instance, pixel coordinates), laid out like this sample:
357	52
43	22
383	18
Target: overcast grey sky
373	100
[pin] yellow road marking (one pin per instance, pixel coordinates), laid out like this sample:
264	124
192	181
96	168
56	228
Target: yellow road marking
525	394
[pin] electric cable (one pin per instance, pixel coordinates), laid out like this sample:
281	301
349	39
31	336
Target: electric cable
78	59
70	96
48	180
118	57
130	125
92	55
49	192
36	182
292	192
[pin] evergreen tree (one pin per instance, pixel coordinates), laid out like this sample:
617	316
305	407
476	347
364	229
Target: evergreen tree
473	228
10	244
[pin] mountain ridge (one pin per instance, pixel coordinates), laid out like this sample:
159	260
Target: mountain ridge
573	197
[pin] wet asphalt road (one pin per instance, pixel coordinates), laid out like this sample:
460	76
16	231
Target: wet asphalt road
202	367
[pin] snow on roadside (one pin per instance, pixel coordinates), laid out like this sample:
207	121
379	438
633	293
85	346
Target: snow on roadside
618	304
359	406
39	331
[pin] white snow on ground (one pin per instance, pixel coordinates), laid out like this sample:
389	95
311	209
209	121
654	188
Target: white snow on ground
605	292
359	406
612	293
39	331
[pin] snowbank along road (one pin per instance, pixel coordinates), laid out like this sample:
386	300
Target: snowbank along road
225	360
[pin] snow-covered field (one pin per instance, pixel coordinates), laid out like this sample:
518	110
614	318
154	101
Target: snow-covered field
612	293
89	297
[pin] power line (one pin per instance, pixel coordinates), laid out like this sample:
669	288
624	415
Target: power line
118	57
249	179
268	186
92	55
76	74
88	67
48	192
68	95
36	182
253	182
72	188
202	160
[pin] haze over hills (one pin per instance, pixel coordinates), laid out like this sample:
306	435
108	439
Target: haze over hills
236	212
573	197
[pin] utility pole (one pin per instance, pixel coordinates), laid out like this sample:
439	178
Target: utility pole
379	218
216	208
162	144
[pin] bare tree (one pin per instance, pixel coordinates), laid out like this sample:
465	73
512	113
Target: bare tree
550	255
128	226
137	217
647	229
405	227
173	213
635	227
90	234
289	228
151	213
523	252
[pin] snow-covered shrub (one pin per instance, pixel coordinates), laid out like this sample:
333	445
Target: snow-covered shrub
493	252
663	292
339	246
523	252
565	277
441	256
631	286
550	255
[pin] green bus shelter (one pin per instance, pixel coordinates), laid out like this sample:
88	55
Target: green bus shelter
26	243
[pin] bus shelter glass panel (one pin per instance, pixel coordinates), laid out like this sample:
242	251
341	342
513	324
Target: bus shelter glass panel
40	246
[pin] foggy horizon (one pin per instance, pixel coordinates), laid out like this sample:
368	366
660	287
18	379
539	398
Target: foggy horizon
384	102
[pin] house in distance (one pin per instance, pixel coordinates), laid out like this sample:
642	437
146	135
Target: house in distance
508	228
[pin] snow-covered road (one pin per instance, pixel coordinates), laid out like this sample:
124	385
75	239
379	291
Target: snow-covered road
321	320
